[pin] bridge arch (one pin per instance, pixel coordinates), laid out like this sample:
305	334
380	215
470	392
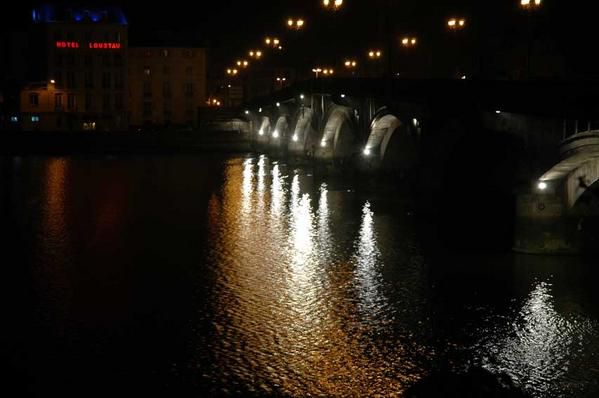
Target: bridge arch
338	140
392	143
579	169
300	140
264	127
279	133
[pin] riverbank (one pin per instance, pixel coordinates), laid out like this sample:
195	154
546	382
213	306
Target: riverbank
19	143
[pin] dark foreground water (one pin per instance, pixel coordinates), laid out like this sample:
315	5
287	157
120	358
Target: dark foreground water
197	276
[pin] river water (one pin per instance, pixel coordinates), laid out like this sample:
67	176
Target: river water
235	276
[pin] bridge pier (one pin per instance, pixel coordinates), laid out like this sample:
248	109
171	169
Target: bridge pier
544	226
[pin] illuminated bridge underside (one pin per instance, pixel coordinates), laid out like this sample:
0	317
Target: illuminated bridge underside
300	139
264	130
580	170
382	130
337	137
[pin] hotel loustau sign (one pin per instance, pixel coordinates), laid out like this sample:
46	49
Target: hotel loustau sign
92	45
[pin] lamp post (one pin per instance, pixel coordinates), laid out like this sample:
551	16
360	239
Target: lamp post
455	25
530	6
351	65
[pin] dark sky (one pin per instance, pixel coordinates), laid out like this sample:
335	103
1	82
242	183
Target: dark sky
231	27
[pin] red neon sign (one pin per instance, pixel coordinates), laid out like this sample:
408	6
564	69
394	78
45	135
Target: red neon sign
67	44
105	46
92	45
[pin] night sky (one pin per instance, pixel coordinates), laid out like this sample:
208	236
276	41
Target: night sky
231	27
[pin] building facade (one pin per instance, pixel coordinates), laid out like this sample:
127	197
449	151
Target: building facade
167	85
82	59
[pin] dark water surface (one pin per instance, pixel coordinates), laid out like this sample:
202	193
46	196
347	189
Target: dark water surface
195	276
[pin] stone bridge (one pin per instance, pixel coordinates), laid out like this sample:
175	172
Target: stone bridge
458	139
553	216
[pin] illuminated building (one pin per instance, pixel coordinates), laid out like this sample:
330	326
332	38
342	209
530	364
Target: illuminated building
81	81
167	85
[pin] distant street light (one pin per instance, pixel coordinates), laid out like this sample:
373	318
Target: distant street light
317	71
332	4
272	42
456	23
232	71
530	4
296	24
256	54
351	65
242	63
409	41
375	54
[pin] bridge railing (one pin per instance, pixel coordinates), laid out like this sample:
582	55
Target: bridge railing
573	127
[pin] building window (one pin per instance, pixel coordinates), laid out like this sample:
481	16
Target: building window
88	36
34	99
148	54
89	125
71	102
118	102
167	115
35	118
117	37
147	89
70	59
147	71
88	102
118	60
106	102
59	60
89	79
106	60
58	35
58	101
58	79
88	61
166	70
71	83
118	80
188	70
166	90
70	36
106	79
188	53
164	53
189	90
147	109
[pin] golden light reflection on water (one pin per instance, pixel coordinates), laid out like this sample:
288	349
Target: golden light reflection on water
287	317
55	245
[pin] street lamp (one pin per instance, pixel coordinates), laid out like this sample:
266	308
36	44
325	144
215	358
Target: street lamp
296	24
272	42
242	63
332	4
409	41
350	65
375	54
456	23
316	71
530	4
256	54
232	72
